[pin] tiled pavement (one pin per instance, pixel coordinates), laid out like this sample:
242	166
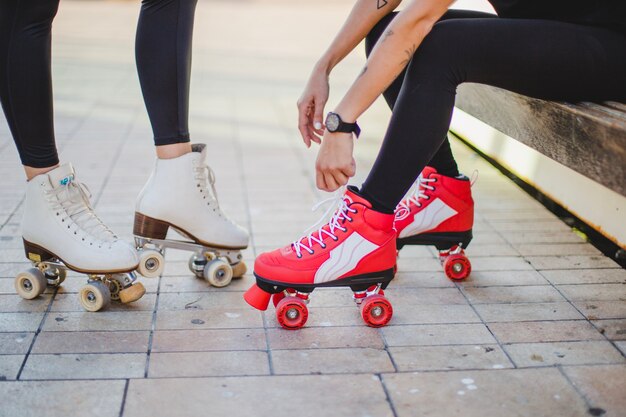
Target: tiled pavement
538	330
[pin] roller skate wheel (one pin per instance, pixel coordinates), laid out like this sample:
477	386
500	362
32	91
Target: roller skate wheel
376	310
197	262
151	263
218	273
94	296
292	313
276	298
239	269
30	284
55	276
132	293
457	266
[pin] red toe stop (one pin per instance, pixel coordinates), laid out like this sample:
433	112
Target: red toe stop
257	298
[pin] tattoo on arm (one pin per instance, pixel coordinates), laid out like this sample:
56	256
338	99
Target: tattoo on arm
409	54
381	3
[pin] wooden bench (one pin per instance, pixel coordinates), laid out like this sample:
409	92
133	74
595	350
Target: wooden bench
589	138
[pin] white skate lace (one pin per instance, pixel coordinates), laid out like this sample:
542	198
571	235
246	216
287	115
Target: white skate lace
72	200
415	194
341	209
206	177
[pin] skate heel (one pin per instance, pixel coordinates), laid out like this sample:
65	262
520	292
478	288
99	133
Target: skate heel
36	253
257	298
148	227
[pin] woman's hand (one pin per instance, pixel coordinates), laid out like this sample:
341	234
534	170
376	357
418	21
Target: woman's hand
335	163
311	107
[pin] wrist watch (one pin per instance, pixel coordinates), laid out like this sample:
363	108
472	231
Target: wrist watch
335	124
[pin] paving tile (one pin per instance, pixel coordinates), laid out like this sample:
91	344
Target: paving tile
12	303
20	322
527	312
500	263
331	361
563	353
175	284
522	294
433	314
248	396
594	310
10	366
517	238
201	301
557	249
571	262
209	319
328	337
208	340
621	345
544	331
438	334
198	364
594	292
91	342
424	296
85	366
435	279
15	343
603	387
433	358
484	393
499	278
494	249
612	329
585	276
100	321
60	398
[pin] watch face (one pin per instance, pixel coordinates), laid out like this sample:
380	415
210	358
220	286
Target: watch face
332	122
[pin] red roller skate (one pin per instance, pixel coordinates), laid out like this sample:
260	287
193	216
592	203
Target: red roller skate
439	211
356	249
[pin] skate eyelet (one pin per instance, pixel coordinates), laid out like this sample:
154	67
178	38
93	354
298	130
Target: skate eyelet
335	238
299	256
323	246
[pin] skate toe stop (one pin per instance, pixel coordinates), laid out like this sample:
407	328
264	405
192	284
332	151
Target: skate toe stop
257	298
132	293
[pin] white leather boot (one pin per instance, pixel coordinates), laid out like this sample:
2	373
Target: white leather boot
61	231
180	195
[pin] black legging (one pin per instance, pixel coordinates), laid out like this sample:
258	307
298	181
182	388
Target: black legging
539	58
163	52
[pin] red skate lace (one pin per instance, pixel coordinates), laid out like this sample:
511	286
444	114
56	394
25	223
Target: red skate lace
341	209
415	194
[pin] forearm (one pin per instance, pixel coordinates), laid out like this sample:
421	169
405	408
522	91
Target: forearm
363	17
391	55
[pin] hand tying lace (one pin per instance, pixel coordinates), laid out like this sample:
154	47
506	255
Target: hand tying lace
71	201
341	210
416	193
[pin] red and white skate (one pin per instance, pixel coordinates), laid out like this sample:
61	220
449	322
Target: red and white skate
439	211
356	249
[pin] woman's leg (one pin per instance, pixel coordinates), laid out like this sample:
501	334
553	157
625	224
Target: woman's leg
443	160
163	53
180	191
25	80
538	58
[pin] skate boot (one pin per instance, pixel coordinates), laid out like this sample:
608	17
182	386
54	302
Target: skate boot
61	232
180	195
439	211
356	249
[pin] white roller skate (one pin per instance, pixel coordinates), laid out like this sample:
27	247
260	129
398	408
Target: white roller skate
180	194
61	232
